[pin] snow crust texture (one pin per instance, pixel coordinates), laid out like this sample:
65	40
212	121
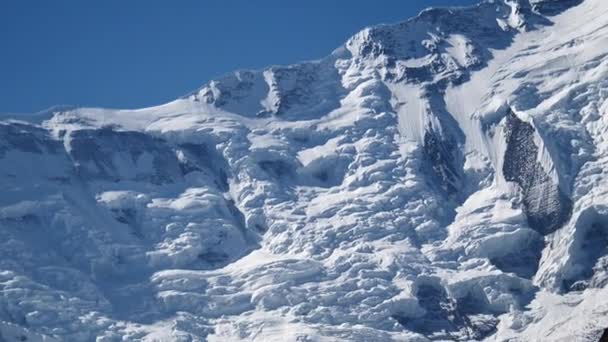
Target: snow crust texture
443	178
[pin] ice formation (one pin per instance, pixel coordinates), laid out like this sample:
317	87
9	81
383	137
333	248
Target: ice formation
442	178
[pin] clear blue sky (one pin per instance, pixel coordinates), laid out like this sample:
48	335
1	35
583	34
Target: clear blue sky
136	53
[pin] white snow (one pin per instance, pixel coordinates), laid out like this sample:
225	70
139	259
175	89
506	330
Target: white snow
360	197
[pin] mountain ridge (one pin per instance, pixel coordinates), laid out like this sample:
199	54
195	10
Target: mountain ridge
436	179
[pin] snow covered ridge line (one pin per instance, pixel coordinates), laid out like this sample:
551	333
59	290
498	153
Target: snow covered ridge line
443	178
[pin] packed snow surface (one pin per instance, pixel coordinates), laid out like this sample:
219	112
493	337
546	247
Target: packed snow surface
443	178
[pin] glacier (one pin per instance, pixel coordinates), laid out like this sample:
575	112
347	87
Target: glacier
442	178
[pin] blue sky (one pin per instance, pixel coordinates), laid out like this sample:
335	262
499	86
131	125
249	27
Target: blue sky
136	53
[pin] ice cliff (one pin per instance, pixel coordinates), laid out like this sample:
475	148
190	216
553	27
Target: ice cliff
443	178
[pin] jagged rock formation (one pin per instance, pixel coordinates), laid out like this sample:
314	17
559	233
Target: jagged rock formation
546	206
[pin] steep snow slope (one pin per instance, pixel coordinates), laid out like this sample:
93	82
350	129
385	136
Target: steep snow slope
437	179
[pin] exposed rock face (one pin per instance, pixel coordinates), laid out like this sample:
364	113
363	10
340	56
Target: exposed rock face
547	207
443	161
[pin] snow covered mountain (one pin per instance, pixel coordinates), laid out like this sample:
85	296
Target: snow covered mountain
443	178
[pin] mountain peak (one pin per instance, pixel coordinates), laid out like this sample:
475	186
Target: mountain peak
442	178
444	43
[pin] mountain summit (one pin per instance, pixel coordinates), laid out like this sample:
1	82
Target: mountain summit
443	178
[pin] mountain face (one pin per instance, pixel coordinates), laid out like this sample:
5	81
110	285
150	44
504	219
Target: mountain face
443	178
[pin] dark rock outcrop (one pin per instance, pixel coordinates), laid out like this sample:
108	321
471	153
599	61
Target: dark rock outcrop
546	205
